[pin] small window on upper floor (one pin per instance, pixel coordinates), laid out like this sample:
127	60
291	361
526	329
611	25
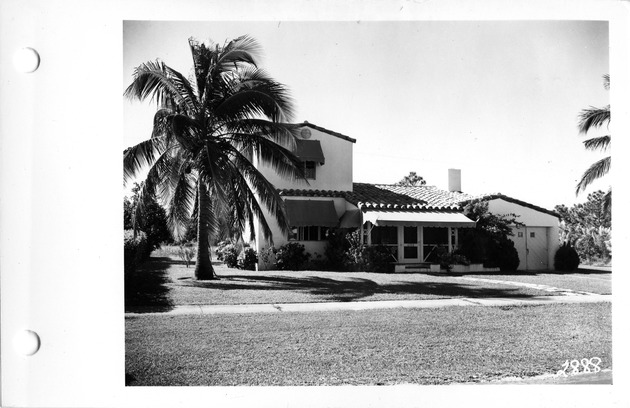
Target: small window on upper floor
532	235
520	235
310	170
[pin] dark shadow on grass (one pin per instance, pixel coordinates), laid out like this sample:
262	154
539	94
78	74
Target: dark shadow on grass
145	288
347	290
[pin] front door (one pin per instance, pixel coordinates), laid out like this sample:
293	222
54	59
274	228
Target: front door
411	249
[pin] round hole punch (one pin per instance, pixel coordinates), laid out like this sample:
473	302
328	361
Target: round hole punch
26	342
26	60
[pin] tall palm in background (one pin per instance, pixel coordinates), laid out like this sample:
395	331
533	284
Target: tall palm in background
594	118
206	134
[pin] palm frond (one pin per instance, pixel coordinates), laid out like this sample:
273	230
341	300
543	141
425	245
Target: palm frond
607	204
597	170
283	134
606	81
182	205
137	158
155	80
263	189
242	50
282	161
598	143
593	118
253	95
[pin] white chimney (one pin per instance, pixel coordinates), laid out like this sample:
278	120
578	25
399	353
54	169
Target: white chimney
455	180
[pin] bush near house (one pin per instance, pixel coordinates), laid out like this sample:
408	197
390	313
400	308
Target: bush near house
360	257
336	252
448	259
503	255
566	258
248	259
291	256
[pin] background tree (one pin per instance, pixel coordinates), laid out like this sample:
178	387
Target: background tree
489	242
206	134
412	180
587	227
147	216
589	119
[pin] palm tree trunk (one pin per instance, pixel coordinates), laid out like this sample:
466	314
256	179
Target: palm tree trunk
203	267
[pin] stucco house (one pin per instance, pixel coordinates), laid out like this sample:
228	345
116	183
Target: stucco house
411	221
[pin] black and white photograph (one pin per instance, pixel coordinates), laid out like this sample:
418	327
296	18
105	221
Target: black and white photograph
313	203
367	203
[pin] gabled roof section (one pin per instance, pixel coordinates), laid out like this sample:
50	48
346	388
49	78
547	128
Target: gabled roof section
386	197
494	196
321	129
371	196
432	195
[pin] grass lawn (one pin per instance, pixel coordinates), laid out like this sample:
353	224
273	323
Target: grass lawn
599	283
165	282
421	346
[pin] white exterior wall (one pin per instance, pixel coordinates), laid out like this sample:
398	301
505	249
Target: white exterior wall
334	174
280	238
535	220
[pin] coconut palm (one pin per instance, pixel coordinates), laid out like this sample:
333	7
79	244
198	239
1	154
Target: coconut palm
207	133
594	118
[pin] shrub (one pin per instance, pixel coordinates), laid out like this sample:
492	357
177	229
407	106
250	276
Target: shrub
228	253
377	258
291	256
136	249
359	257
566	258
502	254
448	259
248	259
187	253
337	257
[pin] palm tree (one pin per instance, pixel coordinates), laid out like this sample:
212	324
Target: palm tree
593	118
207	132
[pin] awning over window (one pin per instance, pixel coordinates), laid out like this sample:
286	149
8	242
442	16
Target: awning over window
427	219
305	213
350	219
310	150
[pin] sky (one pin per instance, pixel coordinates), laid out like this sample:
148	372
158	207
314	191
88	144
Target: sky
497	99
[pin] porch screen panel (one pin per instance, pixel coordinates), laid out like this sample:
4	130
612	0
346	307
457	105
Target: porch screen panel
387	236
435	241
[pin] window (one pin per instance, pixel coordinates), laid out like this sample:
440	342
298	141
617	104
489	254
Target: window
520	235
310	233
309	170
532	235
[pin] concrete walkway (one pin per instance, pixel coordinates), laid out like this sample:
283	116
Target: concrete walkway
373	305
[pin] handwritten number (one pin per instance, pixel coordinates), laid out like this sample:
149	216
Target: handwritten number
564	371
575	365
596	368
585	363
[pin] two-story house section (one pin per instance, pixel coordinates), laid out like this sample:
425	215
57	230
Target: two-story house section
413	222
327	160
